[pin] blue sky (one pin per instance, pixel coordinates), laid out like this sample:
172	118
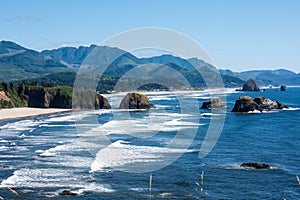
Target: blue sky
238	34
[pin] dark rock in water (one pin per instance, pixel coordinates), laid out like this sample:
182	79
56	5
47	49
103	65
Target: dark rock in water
135	100
4	166
213	104
281	105
247	104
101	102
68	192
282	87
250	85
268	104
255	165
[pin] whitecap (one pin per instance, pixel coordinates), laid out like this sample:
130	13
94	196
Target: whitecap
210	114
70	147
290	108
122	153
254	112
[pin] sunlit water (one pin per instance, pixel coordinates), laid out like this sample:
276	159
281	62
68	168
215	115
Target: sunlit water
45	155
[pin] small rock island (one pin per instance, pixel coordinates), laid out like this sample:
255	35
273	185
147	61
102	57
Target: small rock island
135	100
246	104
213	104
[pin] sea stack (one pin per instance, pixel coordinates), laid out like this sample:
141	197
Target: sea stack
213	104
247	104
101	102
135	100
283	88
251	86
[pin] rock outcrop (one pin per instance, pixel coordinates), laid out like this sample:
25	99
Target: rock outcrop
283	88
213	104
251	86
247	104
135	100
39	98
5	102
101	102
255	165
68	192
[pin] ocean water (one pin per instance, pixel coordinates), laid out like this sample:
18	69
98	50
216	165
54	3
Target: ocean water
114	157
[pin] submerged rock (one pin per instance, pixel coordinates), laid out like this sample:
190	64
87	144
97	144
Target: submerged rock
68	192
255	165
250	85
213	104
247	104
135	100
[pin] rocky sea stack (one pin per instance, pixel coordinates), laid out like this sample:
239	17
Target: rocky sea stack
213	104
101	102
135	100
247	104
251	86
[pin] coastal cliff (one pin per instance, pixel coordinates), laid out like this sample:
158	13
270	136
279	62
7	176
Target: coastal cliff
43	97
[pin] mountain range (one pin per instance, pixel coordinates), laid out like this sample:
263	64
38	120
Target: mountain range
19	63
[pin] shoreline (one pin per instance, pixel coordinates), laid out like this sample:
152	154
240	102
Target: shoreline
16	113
23	112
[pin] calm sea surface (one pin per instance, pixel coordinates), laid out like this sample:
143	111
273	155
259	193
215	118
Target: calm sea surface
113	159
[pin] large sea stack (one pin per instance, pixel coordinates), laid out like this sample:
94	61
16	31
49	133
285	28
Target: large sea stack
247	104
251	86
135	100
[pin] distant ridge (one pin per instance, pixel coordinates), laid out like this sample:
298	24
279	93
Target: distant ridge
267	77
19	63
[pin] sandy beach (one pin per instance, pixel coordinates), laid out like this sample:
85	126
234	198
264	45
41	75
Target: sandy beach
12	113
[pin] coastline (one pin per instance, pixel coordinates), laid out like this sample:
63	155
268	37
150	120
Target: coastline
14	113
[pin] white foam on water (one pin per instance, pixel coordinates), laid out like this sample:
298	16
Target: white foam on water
36	177
290	108
254	112
19	126
162	98
57	125
210	114
121	153
96	188
22	136
73	146
64	160
12	156
144	127
3	148
70	117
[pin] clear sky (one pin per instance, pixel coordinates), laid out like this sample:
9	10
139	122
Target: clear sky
238	34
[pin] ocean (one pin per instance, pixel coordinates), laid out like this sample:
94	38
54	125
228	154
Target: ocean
111	154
